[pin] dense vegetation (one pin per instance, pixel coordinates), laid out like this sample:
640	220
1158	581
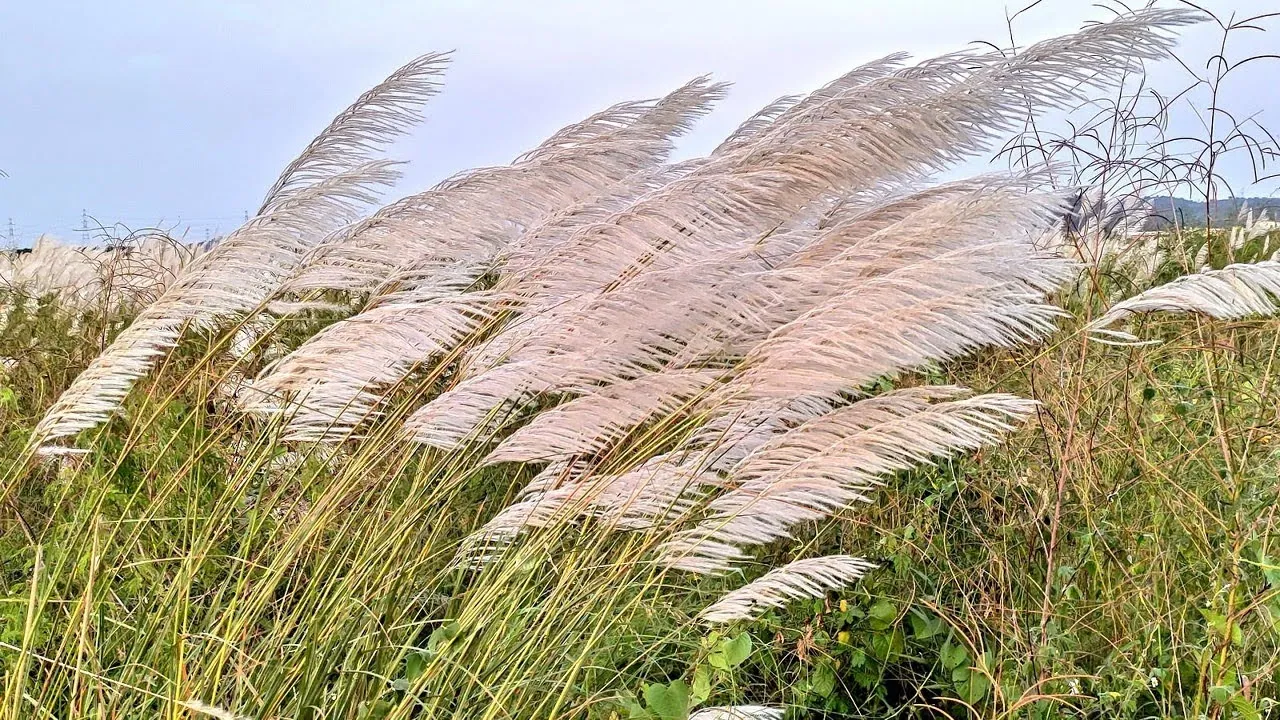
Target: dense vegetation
202	517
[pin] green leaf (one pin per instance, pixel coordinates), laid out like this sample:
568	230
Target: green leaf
882	614
635	711
1220	694
924	626
823	681
669	702
737	650
974	687
701	684
731	652
442	635
1270	570
953	656
414	664
1244	708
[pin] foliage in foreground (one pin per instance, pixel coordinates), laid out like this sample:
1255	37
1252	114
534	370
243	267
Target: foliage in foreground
1111	558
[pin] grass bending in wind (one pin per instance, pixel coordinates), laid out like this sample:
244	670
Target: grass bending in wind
664	379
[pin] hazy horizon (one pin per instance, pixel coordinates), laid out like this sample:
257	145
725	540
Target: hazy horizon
181	116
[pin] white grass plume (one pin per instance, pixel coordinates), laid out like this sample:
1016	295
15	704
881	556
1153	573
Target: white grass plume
322	387
739	712
788	106
123	276
588	424
1236	291
833	462
549	191
377	117
921	118
327	187
729	303
234	278
809	578
464	221
657	492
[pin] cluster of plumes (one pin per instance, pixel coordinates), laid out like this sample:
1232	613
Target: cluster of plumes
1239	290
761	291
1247	229
420	256
1143	256
328	187
108	278
1096	227
751	297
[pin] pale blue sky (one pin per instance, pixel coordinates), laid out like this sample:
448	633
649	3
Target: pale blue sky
149	111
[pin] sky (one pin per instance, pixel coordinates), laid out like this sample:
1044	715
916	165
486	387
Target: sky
181	114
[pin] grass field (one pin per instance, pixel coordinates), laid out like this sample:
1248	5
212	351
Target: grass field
595	435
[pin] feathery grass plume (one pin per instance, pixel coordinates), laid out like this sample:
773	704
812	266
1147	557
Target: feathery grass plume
550	191
739	712
235	278
791	473
217	713
658	491
921	119
746	299
866	216
458	226
53	269
123	275
1236	291
737	300
479	406
587	425
834	461
693	313
757	123
809	578
735	430
327	187
525	254
380	115
391	335
789	106
904	320
526	251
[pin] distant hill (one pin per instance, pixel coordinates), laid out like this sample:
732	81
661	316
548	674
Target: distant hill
1191	212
